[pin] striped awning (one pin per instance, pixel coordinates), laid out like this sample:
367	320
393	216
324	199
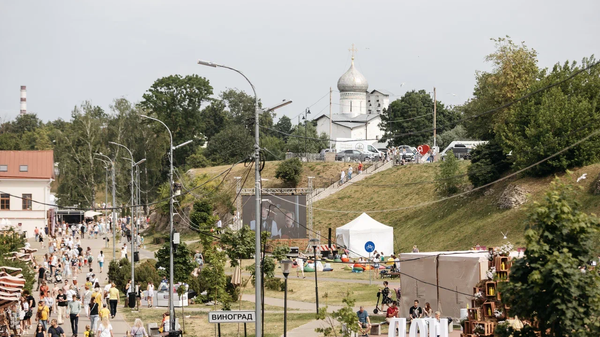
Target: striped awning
11	285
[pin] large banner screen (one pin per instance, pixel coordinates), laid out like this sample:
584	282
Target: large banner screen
285	218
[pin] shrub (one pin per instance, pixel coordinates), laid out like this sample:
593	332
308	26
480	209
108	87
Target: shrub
146	272
289	171
280	252
488	162
448	179
119	272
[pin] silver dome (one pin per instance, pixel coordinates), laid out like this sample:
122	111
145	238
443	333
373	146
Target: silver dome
353	80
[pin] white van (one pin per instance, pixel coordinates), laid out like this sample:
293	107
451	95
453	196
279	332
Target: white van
343	144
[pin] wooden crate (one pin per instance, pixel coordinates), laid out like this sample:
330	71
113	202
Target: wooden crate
502	263
488	309
488	327
474	314
491	289
502	276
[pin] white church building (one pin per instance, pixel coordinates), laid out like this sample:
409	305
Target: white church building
360	110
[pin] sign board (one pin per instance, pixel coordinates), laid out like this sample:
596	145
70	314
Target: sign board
423	149
231	317
369	246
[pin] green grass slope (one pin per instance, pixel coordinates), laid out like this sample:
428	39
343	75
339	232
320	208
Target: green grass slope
454	224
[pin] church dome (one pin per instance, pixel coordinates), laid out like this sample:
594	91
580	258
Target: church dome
353	80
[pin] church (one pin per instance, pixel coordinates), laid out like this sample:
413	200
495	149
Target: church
360	110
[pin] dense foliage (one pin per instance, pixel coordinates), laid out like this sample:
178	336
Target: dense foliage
488	162
406	119
448	177
183	263
562	299
345	315
238	244
290	171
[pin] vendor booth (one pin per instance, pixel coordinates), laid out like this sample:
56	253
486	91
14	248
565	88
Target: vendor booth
444	279
361	230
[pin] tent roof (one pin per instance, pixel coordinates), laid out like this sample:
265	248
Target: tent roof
476	254
364	221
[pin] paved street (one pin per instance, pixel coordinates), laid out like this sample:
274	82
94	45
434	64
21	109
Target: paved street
118	323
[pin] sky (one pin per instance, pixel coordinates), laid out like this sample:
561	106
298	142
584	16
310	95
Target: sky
67	52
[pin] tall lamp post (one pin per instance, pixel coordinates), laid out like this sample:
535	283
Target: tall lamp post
134	164
257	190
114	203
314	243
287	265
171	231
137	201
305	118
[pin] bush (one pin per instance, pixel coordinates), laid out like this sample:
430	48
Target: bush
146	272
119	272
448	179
280	252
290	172
274	284
488	163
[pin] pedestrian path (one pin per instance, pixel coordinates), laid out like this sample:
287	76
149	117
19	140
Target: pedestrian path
118	323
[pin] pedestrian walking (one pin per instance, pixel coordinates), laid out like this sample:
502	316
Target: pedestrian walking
105	329
74	309
150	294
342	177
349	172
113	294
101	261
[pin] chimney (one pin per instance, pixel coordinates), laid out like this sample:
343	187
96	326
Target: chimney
23	100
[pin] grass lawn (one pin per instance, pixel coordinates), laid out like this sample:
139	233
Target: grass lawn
453	224
197	325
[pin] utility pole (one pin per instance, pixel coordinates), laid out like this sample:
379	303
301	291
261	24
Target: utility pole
330	121
434	119
238	203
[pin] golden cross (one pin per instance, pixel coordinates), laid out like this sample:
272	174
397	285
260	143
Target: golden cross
353	50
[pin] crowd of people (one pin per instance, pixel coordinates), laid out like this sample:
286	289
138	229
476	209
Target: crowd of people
346	175
62	300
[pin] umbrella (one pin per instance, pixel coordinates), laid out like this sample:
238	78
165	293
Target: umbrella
236	279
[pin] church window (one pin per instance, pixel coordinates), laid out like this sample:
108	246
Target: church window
350	106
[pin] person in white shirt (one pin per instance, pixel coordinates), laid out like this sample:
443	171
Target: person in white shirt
124	251
101	261
275	231
106	294
342	177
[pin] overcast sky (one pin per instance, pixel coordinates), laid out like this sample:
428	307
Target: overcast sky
70	51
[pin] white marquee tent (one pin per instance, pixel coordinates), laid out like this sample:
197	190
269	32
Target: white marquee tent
359	231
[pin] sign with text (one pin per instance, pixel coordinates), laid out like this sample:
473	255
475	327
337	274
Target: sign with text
231	317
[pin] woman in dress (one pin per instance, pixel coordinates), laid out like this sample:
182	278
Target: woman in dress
104	328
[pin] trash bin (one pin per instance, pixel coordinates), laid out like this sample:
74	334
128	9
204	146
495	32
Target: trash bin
136	256
131	297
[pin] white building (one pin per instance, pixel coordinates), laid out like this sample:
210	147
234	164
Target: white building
25	176
359	113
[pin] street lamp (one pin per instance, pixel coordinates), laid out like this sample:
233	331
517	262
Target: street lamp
306	113
287	265
314	243
136	202
134	164
257	198
171	231
114	203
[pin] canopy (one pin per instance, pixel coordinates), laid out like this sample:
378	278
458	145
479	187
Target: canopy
90	214
444	279
359	231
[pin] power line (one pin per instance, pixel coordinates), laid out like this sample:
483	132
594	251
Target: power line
452	196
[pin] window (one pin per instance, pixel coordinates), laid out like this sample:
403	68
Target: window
5	201
3	168
350	106
27	203
23	168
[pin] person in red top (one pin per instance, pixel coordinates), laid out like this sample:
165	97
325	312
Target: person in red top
360	167
392	312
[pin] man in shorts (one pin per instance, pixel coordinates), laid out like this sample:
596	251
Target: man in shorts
364	322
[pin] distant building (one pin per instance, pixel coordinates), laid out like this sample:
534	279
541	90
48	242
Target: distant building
25	176
359	113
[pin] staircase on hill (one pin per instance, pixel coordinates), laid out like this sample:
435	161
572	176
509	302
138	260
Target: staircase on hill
333	188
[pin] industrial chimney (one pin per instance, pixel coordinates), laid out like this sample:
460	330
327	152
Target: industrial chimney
23	100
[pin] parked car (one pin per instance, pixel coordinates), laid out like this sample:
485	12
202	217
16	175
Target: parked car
353	155
322	153
408	152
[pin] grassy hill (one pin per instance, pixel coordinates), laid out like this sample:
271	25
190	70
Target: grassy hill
454	224
325	173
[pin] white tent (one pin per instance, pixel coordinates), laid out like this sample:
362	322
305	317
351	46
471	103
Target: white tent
359	231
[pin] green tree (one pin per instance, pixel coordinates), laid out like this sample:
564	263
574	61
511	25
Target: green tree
413	112
345	315
214	118
240	107
238	244
213	275
448	179
230	145
514	71
457	133
146	272
198	159
183	264
554	119
298	144
274	147
560	299
119	272
177	101
290	171
488	162
284	125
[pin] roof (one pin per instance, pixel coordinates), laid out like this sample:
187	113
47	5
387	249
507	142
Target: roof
40	164
379	92
364	222
347	118
352	80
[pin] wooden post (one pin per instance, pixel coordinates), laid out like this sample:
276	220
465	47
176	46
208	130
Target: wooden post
330	121
434	119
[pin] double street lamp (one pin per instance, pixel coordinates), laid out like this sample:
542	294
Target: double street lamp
114	199
133	166
314	243
287	265
171	231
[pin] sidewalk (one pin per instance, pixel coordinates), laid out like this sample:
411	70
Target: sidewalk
118	323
